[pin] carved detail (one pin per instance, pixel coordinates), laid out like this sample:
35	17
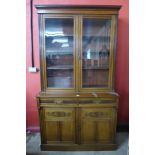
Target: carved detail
59	101
97	114
95	101
70	101
58	114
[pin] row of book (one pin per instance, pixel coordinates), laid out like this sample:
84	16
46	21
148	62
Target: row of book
98	30
59	73
96	63
96	45
60	78
60	82
95	78
60	60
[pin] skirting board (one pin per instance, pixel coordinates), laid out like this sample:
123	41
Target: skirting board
47	147
120	128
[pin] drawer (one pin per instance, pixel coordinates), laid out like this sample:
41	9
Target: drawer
97	113
59	114
58	100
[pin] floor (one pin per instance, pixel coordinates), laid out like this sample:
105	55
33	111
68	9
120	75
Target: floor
33	148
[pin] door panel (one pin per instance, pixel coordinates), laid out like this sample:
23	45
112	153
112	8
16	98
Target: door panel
104	130
59	51
59	125
95	52
97	125
52	131
88	127
97	47
67	128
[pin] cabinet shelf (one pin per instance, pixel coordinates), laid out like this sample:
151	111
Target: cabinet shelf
58	36
98	86
96	68
93	35
60	50
60	67
54	52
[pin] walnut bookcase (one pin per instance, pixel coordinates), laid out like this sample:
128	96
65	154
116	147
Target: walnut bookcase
77	104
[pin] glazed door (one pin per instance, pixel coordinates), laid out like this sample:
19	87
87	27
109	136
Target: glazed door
97	53
59	44
97	125
59	126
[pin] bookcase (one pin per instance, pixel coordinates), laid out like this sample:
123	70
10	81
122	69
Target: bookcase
77	104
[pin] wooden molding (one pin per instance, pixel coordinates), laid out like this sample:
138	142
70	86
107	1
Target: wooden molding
117	7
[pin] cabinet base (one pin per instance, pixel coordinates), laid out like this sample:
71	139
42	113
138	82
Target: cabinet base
49	147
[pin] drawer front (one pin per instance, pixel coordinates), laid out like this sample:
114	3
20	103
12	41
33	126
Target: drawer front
59	114
96	101
96	113
58	100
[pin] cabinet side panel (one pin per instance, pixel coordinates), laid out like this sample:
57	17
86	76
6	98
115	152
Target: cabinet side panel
41	48
115	47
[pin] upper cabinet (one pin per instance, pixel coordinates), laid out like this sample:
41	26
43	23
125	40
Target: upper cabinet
77	48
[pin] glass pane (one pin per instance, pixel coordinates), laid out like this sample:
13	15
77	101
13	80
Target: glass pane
59	52
96	48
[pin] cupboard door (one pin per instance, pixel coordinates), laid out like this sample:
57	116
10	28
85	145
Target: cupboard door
97	41
59	51
59	125
97	125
